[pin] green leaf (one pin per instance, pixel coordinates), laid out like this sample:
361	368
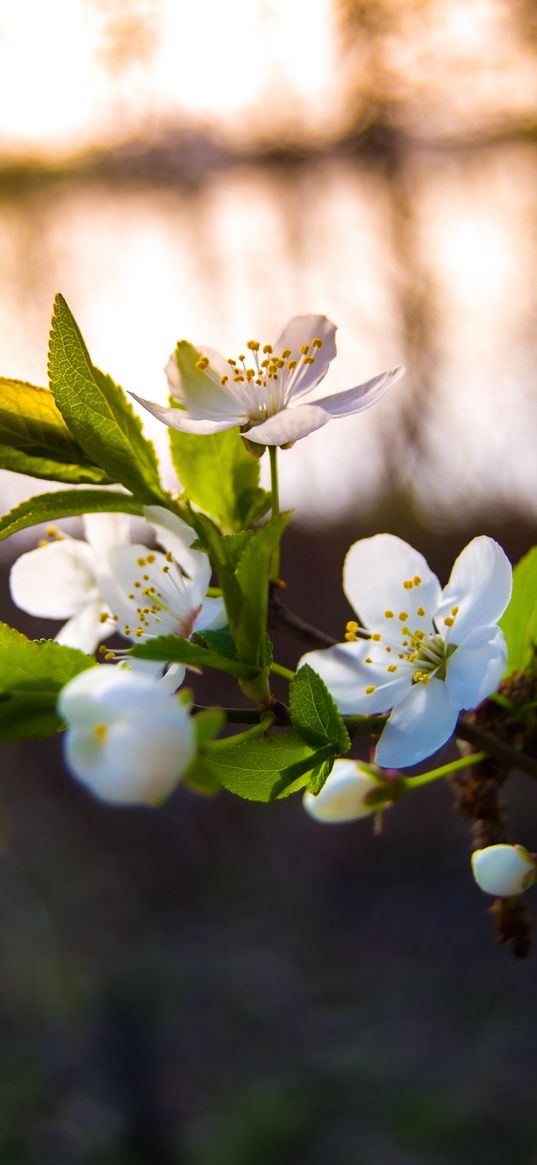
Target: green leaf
320	775
519	623
32	674
34	438
313	711
215	471
260	770
97	411
67	503
173	649
241	564
207	724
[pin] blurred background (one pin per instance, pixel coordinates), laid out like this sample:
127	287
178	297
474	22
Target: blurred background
217	983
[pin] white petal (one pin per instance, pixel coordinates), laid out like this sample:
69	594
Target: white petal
475	669
176	537
503	870
142	753
54	581
417	727
374	575
201	394
86	630
103	531
347	676
170	678
355	400
290	424
479	585
180	419
302	330
212	616
342	797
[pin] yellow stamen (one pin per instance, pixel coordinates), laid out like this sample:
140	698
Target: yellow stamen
420	611
388	614
449	621
408	584
317	342
403	616
253	345
370	689
416	580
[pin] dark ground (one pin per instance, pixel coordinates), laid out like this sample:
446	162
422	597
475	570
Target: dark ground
220	983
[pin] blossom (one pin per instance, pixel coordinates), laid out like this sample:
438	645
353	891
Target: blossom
128	740
58	580
160	592
429	652
350	792
267	389
503	870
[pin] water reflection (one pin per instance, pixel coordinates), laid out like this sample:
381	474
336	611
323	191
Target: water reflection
431	266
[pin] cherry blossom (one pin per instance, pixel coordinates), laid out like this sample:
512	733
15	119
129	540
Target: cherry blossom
503	870
426	653
267	390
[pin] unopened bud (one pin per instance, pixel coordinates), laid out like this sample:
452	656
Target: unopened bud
350	792
503	870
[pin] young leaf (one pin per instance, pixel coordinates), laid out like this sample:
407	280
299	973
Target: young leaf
313	711
34	438
32	673
519	623
259	770
252	575
219	476
97	411
66	503
173	649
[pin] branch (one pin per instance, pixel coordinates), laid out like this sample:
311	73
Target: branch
497	749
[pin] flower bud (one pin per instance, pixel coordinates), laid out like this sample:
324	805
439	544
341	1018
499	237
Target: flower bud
350	792
503	870
128	740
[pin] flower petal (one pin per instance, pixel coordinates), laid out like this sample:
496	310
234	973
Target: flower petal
355	400
290	424
54	581
180	418
86	630
176	537
476	667
212	616
103	531
302	330
374	576
342	797
201	394
479	585
348	677
418	726
170	678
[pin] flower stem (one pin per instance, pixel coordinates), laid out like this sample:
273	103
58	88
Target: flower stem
275	500
240	737
280	670
443	771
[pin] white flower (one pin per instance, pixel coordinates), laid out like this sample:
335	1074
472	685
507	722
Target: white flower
265	389
58	580
430	652
153	592
128	739
344	795
503	870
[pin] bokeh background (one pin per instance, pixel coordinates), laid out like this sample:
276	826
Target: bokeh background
218	983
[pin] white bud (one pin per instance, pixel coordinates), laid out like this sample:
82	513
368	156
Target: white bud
343	796
503	870
128	739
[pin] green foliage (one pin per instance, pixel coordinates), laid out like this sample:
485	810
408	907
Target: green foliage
220	477
97	411
32	673
313	711
263	769
242	568
320	775
34	438
174	649
66	503
519	623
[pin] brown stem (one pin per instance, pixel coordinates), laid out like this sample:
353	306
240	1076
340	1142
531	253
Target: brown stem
488	742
